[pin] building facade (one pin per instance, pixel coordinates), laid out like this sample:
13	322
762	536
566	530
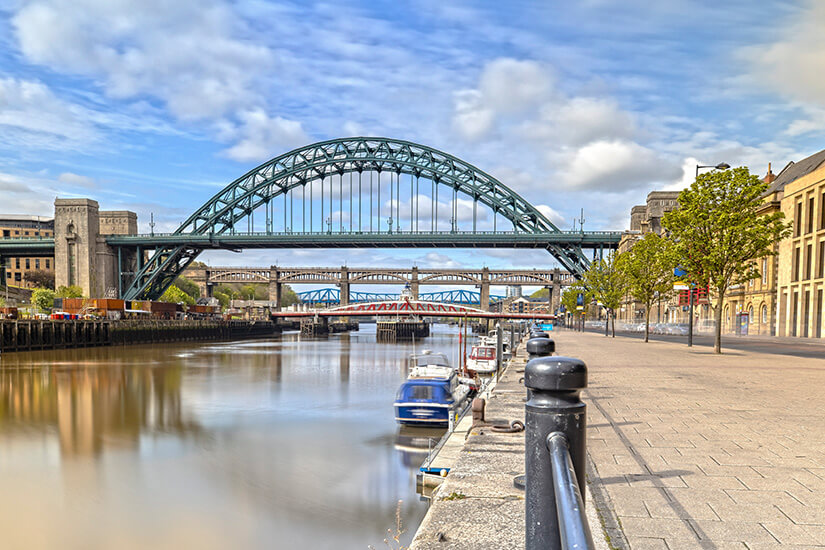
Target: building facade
14	226
801	265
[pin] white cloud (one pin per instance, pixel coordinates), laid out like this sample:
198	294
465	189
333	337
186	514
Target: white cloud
512	86
30	113
189	54
472	119
551	214
616	166
77	180
581	120
794	64
261	137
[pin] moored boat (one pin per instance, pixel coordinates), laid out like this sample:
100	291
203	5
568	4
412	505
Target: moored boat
482	359
431	395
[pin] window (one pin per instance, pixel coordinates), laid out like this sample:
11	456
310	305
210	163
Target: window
797	221
6	233
809	260
18	277
37	264
764	270
25	233
820	268
28	263
795	272
822	211
47	264
17	263
810	215
764	315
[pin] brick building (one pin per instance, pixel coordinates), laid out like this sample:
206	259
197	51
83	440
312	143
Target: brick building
13	226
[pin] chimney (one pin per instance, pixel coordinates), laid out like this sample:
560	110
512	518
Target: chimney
770	176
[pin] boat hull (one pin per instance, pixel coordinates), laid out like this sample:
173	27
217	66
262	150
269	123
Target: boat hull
423	414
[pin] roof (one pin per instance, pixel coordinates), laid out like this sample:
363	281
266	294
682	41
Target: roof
795	170
24	218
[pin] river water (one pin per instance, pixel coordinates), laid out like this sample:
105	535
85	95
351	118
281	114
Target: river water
278	443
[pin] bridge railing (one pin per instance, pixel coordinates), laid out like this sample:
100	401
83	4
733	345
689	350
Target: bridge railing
360	232
555	419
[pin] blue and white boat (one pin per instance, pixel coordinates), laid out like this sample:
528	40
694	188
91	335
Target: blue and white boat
431	395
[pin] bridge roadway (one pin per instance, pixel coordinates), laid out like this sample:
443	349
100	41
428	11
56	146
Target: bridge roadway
343	277
409	308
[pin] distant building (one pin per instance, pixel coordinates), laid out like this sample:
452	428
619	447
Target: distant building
513	291
14	226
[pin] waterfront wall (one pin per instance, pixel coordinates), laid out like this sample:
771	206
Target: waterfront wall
27	335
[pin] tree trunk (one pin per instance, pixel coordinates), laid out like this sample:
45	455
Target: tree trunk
613	322
717	341
647	321
606	322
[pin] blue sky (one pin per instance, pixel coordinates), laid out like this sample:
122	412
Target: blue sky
153	106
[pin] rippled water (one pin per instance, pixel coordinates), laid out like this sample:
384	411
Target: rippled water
281	443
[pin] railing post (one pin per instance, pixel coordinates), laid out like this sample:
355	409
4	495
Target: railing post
554	406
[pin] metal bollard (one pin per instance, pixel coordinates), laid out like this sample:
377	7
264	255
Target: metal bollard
540	347
554	406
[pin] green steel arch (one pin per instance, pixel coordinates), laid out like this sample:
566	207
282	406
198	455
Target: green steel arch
225	211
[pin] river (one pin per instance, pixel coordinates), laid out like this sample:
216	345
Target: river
278	443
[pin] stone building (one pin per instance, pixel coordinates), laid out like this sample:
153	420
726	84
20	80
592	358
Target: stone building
801	261
645	218
13	226
82	256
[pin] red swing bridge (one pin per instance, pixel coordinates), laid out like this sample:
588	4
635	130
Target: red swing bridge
411	308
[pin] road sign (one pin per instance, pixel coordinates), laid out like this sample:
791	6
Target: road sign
679	285
679	272
546	326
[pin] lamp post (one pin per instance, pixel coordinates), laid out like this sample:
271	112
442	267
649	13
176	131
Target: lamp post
691	286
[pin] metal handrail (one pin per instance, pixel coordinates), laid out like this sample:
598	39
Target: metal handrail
574	530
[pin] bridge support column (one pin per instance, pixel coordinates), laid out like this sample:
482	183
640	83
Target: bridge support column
414	282
344	286
275	287
485	290
555	291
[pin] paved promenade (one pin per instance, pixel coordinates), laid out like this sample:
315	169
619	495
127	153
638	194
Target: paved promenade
694	450
686	450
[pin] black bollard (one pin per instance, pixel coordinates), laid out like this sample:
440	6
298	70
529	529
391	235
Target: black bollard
554	406
540	347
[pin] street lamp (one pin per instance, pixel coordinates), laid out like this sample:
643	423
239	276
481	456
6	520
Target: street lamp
720	166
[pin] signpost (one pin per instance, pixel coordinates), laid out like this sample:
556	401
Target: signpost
679	272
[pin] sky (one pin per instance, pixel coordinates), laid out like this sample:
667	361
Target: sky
154	106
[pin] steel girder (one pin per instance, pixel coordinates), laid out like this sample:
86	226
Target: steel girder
333	296
299	167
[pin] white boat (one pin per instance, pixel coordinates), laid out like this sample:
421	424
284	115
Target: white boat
482	359
431	396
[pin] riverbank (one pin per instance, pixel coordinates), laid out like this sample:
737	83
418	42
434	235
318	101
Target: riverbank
31	335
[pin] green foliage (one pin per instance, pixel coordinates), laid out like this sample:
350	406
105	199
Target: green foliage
71	291
570	294
248	292
2	302
606	282
174	295
718	232
222	298
541	293
228	291
288	296
43	299
188	287
41	278
648	270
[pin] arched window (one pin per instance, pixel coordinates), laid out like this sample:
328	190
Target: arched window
750	313
764	314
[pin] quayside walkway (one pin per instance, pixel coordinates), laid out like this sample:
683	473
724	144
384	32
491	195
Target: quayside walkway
687	450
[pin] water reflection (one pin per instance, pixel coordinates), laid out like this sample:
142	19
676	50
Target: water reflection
272	443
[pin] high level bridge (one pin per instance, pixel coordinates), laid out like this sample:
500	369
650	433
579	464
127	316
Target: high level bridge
343	277
359	192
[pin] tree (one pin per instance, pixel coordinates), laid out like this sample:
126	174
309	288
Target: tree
71	291
718	233
222	298
43	299
174	295
41	278
189	287
569	298
228	291
648	269
606	282
288	296
248	292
